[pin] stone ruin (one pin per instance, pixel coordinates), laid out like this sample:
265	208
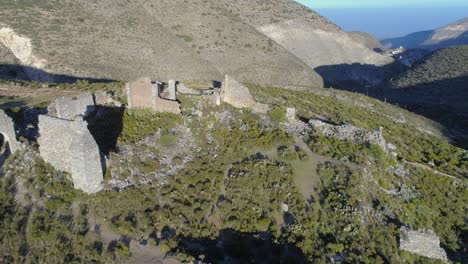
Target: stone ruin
354	134
422	242
72	108
156	96
237	95
7	129
69	146
290	114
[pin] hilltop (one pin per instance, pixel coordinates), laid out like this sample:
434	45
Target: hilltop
281	43
323	174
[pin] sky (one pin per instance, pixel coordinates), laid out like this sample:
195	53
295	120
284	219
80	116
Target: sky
390	18
379	4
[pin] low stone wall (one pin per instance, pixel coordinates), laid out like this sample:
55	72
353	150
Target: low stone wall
69	146
422	242
353	134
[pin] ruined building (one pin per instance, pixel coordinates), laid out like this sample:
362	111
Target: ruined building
156	96
8	131
422	242
237	95
354	134
69	146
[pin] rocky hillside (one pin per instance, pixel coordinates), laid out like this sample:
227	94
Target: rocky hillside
323	175
449	35
266	43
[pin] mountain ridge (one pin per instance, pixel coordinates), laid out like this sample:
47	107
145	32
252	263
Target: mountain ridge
455	33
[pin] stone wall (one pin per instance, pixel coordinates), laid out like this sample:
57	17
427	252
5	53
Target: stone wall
237	95
69	146
422	242
353	134
73	107
7	128
143	94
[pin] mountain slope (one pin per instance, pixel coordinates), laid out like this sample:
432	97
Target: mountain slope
449	35
367	40
282	43
123	40
322	45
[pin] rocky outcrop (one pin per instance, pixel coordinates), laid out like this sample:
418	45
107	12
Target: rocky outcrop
237	95
353	134
7	129
73	107
69	146
422	242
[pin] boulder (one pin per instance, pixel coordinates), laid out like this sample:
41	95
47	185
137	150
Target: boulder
69	146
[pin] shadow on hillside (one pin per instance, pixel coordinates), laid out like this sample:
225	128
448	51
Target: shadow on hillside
15	72
357	75
106	126
235	247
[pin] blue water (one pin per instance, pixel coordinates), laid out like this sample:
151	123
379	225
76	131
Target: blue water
393	22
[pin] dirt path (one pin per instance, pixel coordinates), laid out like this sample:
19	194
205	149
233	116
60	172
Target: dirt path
30	96
425	167
139	253
305	172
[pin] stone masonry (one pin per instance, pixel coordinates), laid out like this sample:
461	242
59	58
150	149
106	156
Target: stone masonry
7	128
69	146
422	242
73	107
237	95
147	95
353	134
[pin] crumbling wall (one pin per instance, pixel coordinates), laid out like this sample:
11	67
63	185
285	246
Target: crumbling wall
354	134
237	95
422	242
7	128
72	107
69	146
143	94
169	92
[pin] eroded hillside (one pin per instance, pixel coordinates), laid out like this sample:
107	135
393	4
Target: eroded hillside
281	42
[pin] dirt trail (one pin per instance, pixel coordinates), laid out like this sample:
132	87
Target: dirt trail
32	96
425	167
305	172
139	253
